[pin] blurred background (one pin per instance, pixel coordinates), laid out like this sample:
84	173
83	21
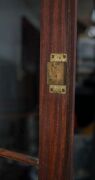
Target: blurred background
19	84
84	157
19	87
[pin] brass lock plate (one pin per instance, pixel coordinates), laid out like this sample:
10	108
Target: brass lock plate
56	73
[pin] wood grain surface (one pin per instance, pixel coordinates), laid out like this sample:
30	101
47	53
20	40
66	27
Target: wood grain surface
58	35
19	157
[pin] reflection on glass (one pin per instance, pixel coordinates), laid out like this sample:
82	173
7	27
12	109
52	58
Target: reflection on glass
85	96
19	85
10	170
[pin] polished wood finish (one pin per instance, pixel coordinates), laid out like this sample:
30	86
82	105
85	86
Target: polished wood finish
58	35
19	157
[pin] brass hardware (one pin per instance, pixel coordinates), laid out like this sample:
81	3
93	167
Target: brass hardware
58	57
56	73
57	89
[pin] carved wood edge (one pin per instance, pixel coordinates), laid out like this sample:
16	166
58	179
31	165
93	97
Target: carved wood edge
25	159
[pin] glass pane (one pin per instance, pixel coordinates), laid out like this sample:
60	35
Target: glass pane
19	77
84	157
10	170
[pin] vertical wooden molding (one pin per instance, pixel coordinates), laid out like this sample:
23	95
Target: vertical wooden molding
58	35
